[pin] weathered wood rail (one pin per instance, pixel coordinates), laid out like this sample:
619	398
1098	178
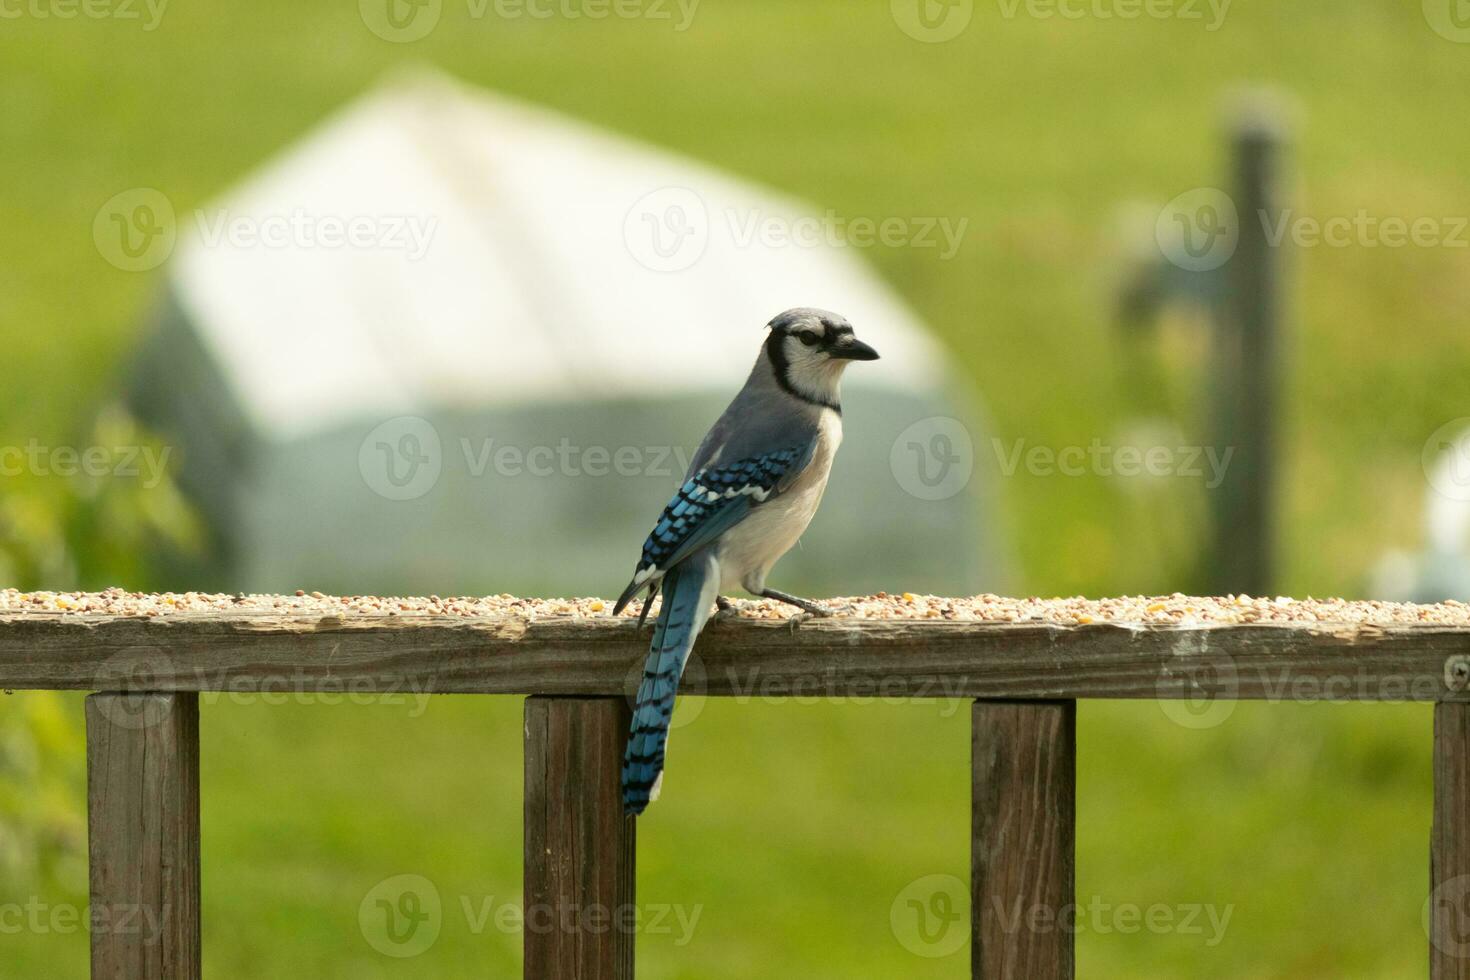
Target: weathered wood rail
1024	678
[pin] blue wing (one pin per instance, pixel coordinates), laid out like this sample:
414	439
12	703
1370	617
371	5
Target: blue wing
709	503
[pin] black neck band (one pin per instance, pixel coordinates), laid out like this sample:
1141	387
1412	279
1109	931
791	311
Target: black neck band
780	366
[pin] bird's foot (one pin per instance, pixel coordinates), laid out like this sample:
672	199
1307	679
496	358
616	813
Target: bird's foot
794	623
725	608
805	605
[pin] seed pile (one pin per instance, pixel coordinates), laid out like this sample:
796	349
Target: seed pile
1170	610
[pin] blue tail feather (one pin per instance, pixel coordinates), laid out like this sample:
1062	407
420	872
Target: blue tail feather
688	591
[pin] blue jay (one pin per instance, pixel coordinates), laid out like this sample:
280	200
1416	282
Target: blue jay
751	490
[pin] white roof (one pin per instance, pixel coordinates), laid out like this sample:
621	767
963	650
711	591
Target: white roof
534	275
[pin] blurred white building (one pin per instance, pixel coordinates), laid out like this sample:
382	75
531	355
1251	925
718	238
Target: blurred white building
1441	570
453	343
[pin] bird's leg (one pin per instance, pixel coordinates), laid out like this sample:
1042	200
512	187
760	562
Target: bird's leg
805	605
725	605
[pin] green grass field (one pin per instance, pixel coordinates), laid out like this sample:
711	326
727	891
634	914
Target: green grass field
791	829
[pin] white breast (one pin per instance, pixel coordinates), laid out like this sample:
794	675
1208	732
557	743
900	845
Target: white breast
749	550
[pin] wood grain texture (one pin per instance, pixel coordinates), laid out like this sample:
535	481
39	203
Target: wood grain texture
1448	911
143	835
753	659
580	916
1024	820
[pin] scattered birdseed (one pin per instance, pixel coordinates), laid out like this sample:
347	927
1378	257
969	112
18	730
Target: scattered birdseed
1170	610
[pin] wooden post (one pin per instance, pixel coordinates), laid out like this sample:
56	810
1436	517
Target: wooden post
1247	368
1024	767
1449	851
579	887
143	835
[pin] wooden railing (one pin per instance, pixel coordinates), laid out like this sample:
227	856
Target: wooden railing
1025	679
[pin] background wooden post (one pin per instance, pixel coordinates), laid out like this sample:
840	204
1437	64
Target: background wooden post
1024	767
1449	851
143	835
579	887
1247	370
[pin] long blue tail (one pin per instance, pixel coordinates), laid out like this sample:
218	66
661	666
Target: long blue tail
689	590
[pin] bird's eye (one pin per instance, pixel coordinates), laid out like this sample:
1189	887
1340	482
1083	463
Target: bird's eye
809	338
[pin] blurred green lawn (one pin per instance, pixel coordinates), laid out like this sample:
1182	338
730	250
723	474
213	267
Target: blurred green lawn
793	828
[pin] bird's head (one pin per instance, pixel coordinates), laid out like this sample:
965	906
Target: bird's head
810	348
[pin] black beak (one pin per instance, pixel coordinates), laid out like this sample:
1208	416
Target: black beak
849	348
